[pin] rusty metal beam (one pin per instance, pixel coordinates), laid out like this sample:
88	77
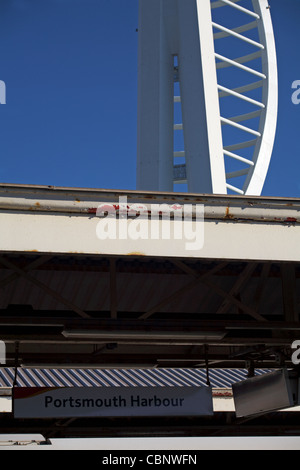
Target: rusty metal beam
268	227
97	323
161	359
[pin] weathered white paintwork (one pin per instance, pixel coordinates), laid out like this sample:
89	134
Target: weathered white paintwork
185	29
58	220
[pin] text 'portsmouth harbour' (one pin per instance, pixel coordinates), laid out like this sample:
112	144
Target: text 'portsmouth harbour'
107	401
113	402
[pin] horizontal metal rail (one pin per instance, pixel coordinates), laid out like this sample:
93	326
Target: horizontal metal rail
50	200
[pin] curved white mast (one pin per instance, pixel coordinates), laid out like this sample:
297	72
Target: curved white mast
187	30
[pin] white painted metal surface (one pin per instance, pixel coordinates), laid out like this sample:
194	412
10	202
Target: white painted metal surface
57	220
46	233
5	400
178	444
218	156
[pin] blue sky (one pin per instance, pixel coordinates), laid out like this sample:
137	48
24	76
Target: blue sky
70	68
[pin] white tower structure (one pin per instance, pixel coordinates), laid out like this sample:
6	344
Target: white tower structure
220	58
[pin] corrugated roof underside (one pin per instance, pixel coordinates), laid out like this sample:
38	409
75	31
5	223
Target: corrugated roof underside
136	292
219	378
